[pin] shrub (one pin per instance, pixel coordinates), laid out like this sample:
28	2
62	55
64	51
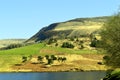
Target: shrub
81	46
47	56
56	44
52	40
53	57
40	58
67	45
50	61
24	59
94	42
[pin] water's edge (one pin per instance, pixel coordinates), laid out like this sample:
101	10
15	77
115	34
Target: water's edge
88	75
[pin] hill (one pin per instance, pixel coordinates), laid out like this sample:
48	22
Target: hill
6	42
77	60
76	32
77	27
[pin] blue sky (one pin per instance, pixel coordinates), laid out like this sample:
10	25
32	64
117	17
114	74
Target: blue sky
23	18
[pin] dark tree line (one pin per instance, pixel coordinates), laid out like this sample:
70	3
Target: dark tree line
50	59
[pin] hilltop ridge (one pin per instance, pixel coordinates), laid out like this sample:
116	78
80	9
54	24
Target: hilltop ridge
75	27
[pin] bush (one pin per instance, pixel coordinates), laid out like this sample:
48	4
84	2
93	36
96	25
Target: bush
40	58
52	40
24	59
50	61
94	42
67	45
53	57
81	46
56	44
71	39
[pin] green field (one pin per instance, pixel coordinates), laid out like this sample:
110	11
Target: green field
14	56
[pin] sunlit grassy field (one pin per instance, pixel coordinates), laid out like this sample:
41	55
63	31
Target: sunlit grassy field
14	56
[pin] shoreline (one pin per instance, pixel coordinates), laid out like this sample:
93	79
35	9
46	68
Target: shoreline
50	71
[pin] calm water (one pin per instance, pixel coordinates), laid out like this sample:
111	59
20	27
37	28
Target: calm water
53	76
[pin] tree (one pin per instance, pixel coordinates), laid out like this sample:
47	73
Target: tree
47	57
52	40
94	42
40	59
110	38
53	57
67	45
24	59
50	61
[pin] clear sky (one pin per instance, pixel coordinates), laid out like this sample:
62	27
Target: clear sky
23	18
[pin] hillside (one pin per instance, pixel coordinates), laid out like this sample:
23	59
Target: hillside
6	42
76	32
77	60
76	27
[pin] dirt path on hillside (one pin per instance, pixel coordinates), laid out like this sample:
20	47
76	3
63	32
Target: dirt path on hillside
84	62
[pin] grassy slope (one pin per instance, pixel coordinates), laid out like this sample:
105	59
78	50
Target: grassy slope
36	49
79	28
78	25
58	50
27	50
6	42
71	28
10	57
13	56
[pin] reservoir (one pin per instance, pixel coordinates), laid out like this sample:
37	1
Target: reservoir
93	75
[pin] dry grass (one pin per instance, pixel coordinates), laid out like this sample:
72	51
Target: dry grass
73	63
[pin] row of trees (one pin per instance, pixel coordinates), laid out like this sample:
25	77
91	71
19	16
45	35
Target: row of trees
11	46
50	59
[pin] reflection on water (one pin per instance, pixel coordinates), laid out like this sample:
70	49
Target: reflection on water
96	75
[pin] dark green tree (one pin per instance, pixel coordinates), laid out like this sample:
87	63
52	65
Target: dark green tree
47	57
53	57
52	40
67	45
110	38
40	59
50	61
24	59
94	43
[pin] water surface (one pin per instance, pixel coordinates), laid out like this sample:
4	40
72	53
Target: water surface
96	75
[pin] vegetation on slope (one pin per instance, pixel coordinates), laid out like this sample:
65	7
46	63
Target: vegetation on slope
70	28
6	42
78	33
14	56
110	37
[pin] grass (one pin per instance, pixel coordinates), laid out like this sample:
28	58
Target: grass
68	51
115	71
11	57
77	25
27	50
